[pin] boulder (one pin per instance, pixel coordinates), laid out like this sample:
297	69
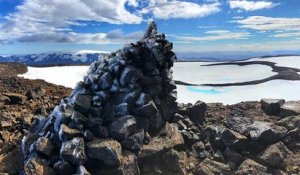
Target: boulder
266	132
169	138
82	103
79	117
105	81
44	146
195	112
147	110
66	133
135	141
235	139
290	123
106	150
239	124
122	127
271	106
37	166
166	162
275	155
251	167
74	151
290	108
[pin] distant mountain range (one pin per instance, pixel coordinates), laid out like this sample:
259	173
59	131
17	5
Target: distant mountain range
87	57
51	59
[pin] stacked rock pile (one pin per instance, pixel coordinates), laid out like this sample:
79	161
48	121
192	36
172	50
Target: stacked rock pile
124	100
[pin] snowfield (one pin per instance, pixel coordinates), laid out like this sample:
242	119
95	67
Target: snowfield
193	72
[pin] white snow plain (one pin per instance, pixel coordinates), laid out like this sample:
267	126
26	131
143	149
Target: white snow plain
192	72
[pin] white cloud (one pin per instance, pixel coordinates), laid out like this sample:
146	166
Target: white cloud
217	35
251	5
166	9
112	37
52	20
263	23
286	35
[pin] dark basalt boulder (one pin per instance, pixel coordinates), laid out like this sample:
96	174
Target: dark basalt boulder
271	106
108	151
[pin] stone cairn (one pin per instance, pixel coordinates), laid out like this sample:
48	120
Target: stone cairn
123	100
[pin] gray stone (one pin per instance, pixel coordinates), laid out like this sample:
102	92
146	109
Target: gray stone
290	108
239	124
122	127
147	110
275	155
105	81
44	146
79	117
135	141
74	151
271	106
82	103
107	150
266	132
66	133
232	138
37	166
290	123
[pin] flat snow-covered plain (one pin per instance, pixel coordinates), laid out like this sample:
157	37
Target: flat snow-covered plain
193	72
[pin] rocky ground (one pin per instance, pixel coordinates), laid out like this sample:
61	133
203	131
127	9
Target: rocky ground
20	101
245	138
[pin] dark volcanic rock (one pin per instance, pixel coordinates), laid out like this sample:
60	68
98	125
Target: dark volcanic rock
122	127
44	146
232	138
275	155
108	151
272	106
82	103
37	166
266	132
74	151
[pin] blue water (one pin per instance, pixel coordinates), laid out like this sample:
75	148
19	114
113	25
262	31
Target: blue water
204	91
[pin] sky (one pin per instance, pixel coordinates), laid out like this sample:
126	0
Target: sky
38	26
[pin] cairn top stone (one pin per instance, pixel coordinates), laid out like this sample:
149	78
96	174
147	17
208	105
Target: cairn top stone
151	29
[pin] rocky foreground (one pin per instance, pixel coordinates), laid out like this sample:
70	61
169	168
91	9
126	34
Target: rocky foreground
228	139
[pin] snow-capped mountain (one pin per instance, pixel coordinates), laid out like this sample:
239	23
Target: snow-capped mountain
44	59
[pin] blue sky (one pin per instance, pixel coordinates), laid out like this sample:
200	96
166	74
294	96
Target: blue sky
35	26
